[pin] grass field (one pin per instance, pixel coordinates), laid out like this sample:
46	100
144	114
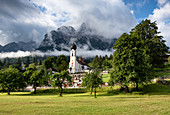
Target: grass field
105	77
72	104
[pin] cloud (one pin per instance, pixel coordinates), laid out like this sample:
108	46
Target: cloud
162	16
80	53
31	19
161	2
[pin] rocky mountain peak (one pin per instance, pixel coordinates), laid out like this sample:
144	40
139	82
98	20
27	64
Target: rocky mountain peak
85	30
67	30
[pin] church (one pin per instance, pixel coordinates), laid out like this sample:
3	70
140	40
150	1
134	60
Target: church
76	65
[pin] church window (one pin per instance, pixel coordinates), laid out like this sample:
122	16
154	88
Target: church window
72	53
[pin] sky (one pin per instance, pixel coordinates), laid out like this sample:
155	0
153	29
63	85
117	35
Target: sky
26	20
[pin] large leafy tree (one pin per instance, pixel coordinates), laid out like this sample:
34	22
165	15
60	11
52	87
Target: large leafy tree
48	63
58	80
148	32
34	76
131	63
92	80
136	54
62	63
11	78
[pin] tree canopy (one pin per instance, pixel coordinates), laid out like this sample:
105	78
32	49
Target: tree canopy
92	80
34	76
135	54
11	78
62	63
58	80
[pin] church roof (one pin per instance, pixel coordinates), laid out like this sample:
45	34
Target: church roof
81	61
73	46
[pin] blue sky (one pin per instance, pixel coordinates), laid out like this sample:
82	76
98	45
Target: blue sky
31	19
141	8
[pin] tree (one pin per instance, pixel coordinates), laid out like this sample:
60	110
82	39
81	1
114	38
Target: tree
48	63
92	80
27	62
5	63
131	63
58	80
148	32
137	54
61	63
169	60
40	63
11	78
111	57
95	63
106	64
1	64
19	62
35	61
34	76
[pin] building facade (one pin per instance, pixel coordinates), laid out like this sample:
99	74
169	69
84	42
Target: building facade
76	65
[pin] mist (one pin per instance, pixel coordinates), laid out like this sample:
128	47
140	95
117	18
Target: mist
80	53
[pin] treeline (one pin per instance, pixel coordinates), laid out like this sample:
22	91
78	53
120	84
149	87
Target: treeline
100	62
51	72
17	62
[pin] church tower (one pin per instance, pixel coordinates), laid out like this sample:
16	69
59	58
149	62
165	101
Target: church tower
72	64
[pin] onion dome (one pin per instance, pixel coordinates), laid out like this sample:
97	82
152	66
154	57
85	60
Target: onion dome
73	46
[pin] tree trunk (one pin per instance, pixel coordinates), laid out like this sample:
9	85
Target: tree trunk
8	91
35	89
91	90
137	87
95	92
61	91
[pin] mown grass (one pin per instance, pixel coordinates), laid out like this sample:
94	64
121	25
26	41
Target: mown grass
105	77
154	102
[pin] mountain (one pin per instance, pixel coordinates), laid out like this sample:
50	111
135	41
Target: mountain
14	47
84	37
0	47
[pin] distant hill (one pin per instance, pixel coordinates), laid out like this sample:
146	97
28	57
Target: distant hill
13	47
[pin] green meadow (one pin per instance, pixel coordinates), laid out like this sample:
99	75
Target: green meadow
23	103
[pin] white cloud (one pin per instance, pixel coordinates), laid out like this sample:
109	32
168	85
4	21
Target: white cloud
80	53
161	2
22	18
162	16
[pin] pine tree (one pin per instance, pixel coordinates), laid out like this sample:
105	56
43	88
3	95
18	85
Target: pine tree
35	61
27	62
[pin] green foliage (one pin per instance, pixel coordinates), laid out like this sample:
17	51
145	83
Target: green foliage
5	63
62	63
147	31
35	61
106	63
67	91
34	76
136	54
131	62
27	62
48	63
59	79
92	80
156	88
11	78
169	59
1	64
